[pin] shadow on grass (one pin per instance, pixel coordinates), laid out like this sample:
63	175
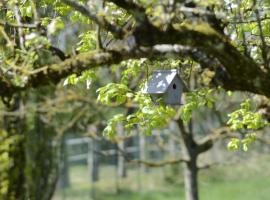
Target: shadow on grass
173	194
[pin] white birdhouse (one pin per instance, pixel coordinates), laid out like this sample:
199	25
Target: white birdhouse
167	85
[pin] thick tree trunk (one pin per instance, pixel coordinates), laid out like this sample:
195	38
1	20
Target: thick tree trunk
190	153
31	173
15	127
191	180
42	151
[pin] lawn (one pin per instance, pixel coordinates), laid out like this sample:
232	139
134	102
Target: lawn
238	182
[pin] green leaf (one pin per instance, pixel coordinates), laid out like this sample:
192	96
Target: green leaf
244	118
229	93
113	93
55	26
245	147
195	100
234	144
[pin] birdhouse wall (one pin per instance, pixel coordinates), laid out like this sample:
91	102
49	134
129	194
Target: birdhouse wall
174	92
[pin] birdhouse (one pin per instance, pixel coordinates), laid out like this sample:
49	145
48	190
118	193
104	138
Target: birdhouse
166	85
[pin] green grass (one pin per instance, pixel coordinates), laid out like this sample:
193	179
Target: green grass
245	181
252	189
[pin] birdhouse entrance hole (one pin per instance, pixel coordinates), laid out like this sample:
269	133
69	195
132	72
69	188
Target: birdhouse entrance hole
174	86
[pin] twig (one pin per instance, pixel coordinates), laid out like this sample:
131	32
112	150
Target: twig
20	30
61	130
158	164
264	46
207	166
248	21
150	163
9	42
242	29
31	26
207	142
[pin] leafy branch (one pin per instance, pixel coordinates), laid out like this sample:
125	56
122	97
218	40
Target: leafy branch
245	119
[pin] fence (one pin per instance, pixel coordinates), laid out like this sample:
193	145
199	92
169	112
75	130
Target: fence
139	147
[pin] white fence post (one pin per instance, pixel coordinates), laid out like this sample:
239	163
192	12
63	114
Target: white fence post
64	180
92	160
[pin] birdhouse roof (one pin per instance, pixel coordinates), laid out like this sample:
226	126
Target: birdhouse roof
160	81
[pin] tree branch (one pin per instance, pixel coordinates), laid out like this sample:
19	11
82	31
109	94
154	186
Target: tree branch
207	166
206	39
4	23
158	164
101	21
84	61
150	163
137	11
207	142
198	39
264	46
20	30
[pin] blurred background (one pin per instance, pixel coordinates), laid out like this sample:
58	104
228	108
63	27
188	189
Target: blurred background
52	139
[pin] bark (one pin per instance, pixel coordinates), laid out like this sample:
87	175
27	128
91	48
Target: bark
42	156
121	164
190	153
33	169
142	150
191	179
172	143
15	127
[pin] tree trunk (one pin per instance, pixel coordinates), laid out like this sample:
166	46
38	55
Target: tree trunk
42	152
172	144
31	172
142	151
15	127
121	164
191	179
189	150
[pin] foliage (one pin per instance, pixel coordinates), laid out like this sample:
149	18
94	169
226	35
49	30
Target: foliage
236	143
86	77
113	93
133	68
8	145
195	100
149	116
87	42
245	118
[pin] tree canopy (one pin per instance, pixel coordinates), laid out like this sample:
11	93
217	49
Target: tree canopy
228	37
